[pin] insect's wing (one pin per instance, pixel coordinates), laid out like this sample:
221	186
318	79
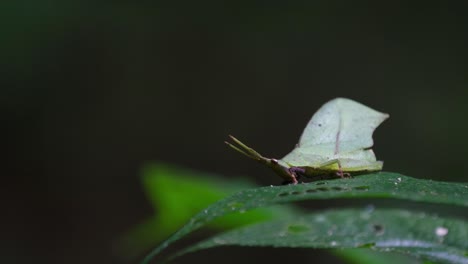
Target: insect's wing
355	161
340	126
343	125
360	160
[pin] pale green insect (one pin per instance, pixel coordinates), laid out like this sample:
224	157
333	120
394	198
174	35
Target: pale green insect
337	140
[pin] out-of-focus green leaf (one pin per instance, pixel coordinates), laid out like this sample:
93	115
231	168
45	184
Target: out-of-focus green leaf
176	195
440	239
378	185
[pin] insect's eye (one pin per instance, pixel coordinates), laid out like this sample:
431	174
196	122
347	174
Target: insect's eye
274	161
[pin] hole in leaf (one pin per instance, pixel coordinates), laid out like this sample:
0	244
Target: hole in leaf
311	191
297	228
336	188
324	189
320	183
361	188
283	194
378	229
295	193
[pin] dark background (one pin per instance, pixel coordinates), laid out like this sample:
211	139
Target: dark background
92	91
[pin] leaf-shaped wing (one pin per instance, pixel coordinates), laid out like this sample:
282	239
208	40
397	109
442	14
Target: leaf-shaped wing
359	160
341	128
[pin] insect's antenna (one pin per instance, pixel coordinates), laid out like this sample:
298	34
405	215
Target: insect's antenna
244	149
238	149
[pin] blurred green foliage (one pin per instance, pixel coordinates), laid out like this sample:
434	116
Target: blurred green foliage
176	195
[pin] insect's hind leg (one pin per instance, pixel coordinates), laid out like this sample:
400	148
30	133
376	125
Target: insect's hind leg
340	168
341	173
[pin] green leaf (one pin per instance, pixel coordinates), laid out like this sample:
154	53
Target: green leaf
414	233
378	185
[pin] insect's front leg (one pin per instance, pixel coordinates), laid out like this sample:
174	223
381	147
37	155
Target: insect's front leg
297	171
282	171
